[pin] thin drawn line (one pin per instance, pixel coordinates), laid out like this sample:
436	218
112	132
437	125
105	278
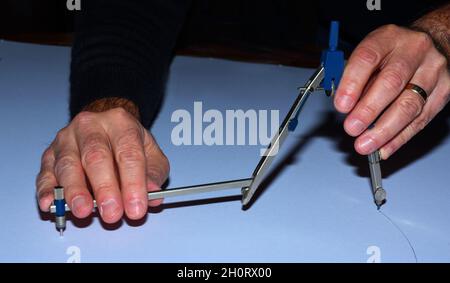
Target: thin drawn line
403	233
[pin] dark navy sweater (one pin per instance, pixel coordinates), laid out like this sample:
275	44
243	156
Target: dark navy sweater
123	48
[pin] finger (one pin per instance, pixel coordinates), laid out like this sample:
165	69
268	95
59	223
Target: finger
435	103
127	143
392	79
157	169
97	161
46	180
69	174
399	114
363	62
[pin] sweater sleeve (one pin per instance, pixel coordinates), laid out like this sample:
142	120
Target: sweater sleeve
123	48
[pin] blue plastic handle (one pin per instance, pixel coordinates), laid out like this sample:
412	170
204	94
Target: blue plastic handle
332	60
333	63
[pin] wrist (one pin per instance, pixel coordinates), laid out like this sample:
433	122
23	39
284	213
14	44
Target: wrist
107	103
437	25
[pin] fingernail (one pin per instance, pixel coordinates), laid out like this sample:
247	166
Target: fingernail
345	102
109	208
78	203
385	153
355	126
135	208
367	145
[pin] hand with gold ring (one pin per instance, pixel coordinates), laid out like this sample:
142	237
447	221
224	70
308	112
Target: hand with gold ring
398	77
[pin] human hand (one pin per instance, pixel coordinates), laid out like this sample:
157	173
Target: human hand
374	83
110	153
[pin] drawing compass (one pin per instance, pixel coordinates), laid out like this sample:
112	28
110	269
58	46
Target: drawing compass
325	78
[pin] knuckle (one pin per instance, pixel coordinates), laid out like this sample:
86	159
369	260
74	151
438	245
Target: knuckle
47	153
423	40
104	188
84	118
392	78
95	149
400	65
407	134
94	140
441	62
390	28
410	106
94	156
420	123
120	112
129	154
42	179
128	146
132	190
382	134
131	136
61	135
368	111
403	138
47	156
66	162
367	55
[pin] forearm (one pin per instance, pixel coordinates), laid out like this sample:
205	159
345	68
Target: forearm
121	54
437	25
